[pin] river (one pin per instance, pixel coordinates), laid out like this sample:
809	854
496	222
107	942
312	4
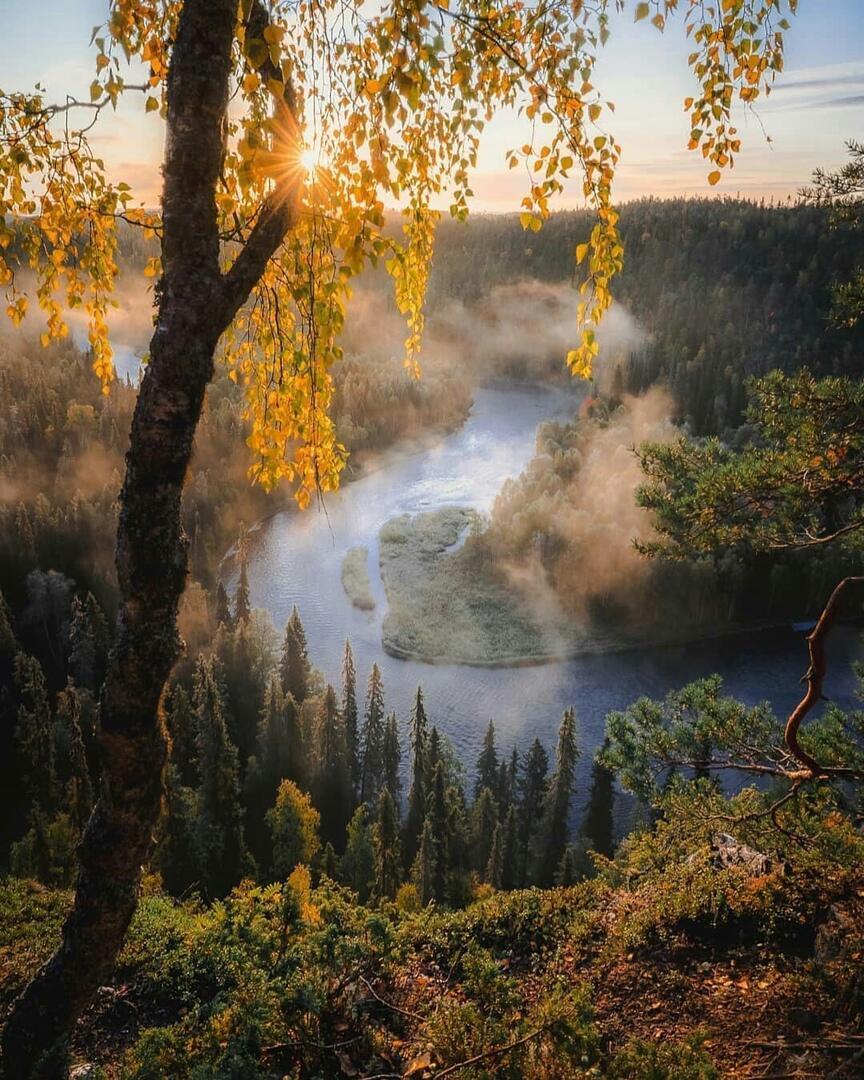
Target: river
297	558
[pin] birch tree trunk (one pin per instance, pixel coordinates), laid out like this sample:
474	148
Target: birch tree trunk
196	304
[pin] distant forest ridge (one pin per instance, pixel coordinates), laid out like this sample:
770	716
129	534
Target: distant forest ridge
723	289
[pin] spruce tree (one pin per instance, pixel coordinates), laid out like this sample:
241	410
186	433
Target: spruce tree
487	763
494	871
245	662
358	861
73	776
223	608
8	644
349	716
423	870
484	821
393	760
33	740
277	737
434	755
224	859
386	843
567	871
178	852
182	728
242	602
598	828
532	793
10	790
510	859
437	818
416	813
82	663
294	667
273	762
556	811
100	632
331	790
329	862
372	754
502	789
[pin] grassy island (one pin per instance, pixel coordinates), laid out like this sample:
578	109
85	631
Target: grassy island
355	578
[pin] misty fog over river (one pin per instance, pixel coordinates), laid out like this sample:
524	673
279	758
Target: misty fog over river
296	559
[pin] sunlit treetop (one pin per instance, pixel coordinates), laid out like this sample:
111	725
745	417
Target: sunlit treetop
337	109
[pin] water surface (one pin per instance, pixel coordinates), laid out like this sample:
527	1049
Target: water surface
297	559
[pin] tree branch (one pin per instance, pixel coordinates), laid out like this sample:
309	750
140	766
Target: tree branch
496	1051
279	212
815	679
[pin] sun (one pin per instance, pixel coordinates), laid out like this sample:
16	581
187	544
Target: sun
308	159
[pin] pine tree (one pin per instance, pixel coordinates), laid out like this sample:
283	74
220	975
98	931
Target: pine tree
416	815
372	764
392	755
358	861
294	668
487	763
532	792
224	859
386	843
494	872
349	716
484	821
242	602
223	608
599	827
557	803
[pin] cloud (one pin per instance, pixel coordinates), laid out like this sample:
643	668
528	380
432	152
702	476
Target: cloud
820	83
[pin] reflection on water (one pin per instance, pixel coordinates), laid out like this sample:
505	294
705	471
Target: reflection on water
297	559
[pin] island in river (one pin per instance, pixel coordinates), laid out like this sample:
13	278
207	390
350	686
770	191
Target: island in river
297	559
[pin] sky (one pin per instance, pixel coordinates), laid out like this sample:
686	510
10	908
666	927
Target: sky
817	103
